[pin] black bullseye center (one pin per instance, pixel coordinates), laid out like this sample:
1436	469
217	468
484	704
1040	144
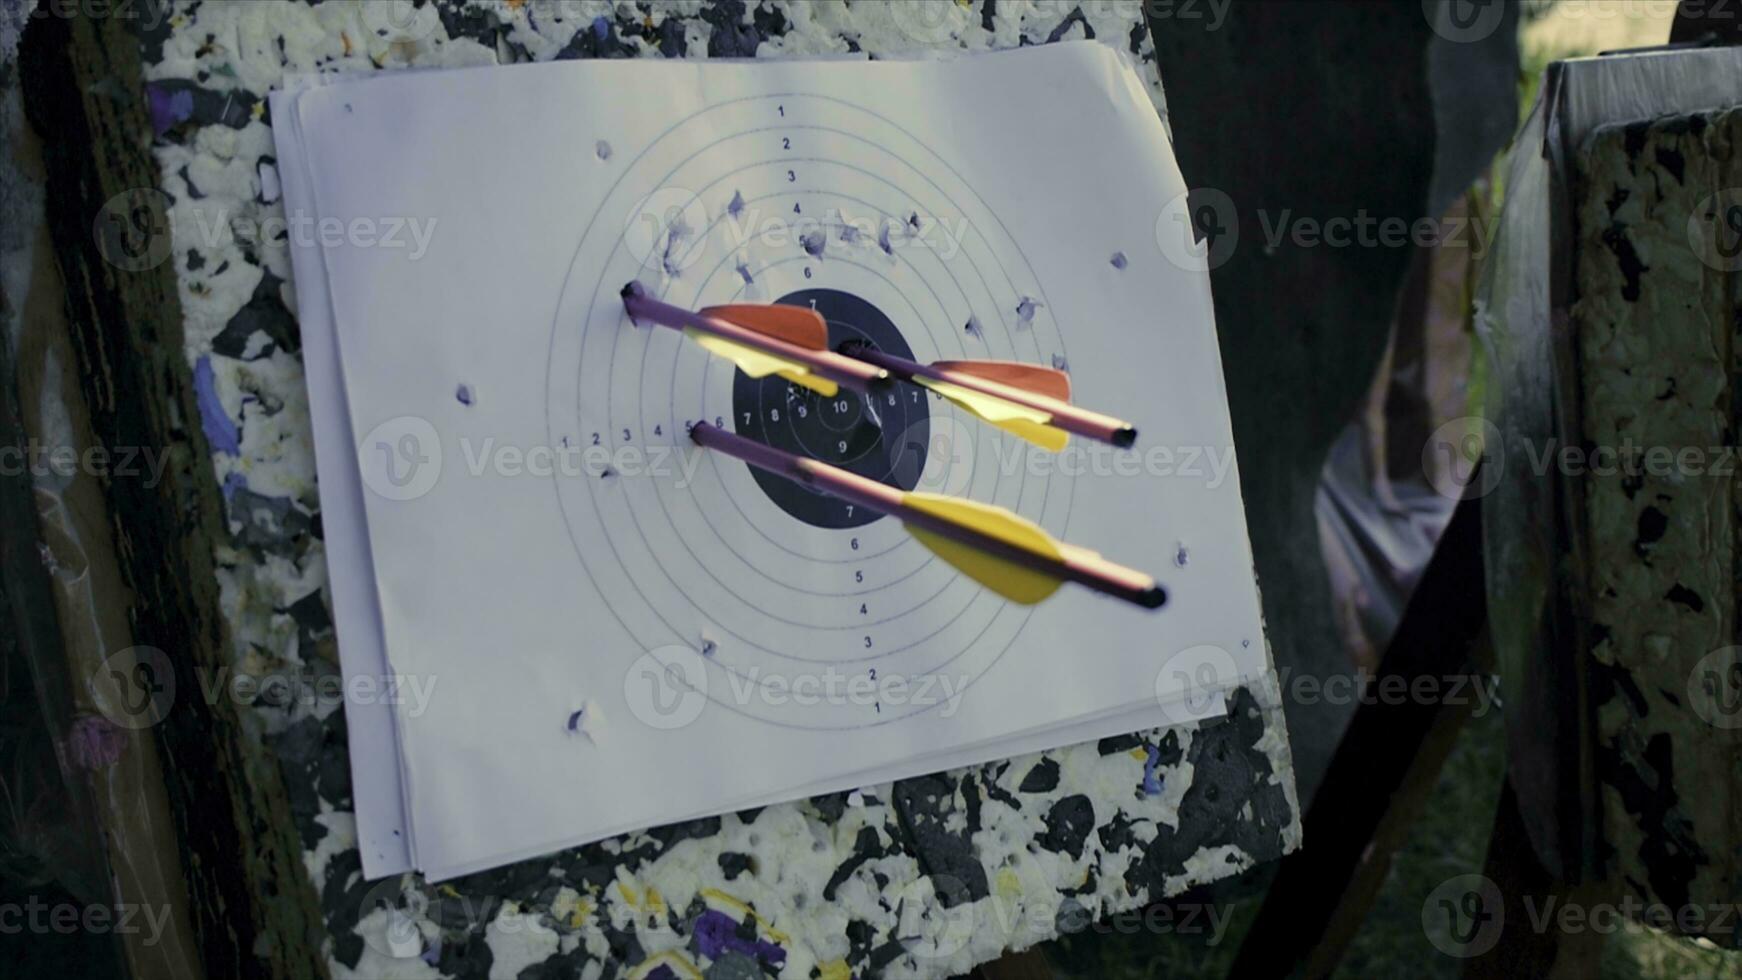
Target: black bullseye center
882	436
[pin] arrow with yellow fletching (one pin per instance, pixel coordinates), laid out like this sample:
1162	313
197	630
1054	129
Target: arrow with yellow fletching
1027	400
790	341
1003	551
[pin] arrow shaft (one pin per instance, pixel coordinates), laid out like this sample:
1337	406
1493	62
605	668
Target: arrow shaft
1074	565
846	371
1072	419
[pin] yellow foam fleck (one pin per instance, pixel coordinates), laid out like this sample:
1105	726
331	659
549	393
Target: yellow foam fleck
583	911
835	970
1009	885
1140	753
626	888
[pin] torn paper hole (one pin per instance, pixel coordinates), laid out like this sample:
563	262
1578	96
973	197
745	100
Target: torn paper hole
586	719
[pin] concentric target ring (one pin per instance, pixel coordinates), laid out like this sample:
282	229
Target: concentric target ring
631	541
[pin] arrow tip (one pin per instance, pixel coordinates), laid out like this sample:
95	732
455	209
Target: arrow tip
1125	437
1154	598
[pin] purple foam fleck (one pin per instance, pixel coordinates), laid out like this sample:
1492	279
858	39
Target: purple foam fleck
883	241
972	327
736	206
716	933
1119	260
233	481
463	394
220	429
814	242
1025	310
96	742
602	149
1151	779
169	107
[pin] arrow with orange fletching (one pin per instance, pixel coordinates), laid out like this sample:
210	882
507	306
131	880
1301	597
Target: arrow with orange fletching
1028	400
789	341
1001	550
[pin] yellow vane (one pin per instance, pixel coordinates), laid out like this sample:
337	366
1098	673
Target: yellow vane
1008	579
1029	423
759	364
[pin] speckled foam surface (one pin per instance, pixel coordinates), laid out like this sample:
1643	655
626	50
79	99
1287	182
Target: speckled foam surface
1656	324
925	877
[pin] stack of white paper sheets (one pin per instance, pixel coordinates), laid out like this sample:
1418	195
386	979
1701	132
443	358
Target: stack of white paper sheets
586	624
